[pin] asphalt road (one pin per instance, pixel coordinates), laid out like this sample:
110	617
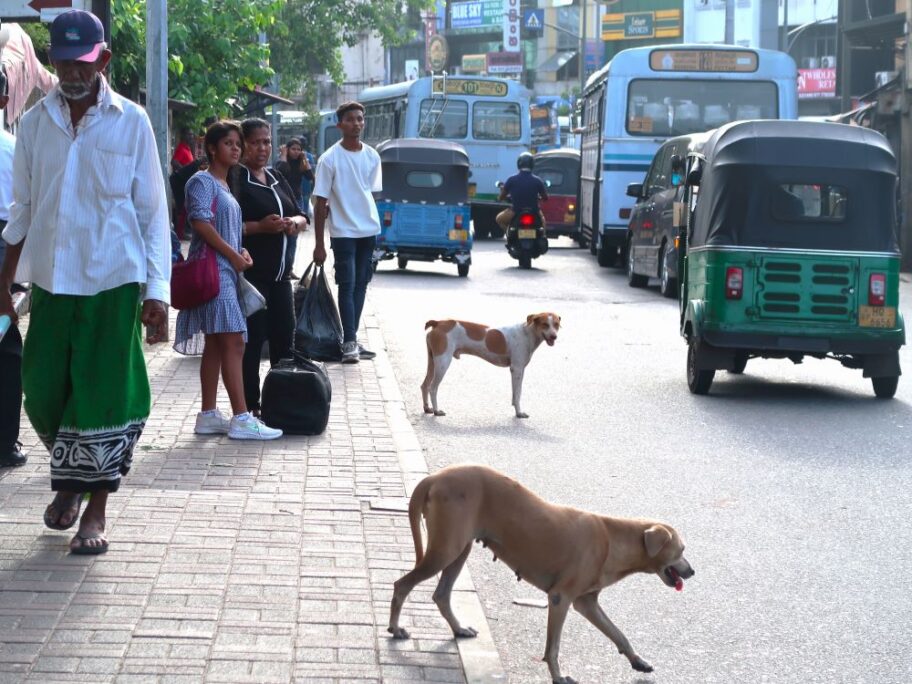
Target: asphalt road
792	485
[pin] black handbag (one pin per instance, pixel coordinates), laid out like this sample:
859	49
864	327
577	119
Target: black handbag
318	333
296	396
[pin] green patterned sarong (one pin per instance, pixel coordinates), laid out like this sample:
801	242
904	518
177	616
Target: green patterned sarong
85	384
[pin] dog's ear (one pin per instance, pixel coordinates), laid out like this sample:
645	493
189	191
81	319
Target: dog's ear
530	318
655	539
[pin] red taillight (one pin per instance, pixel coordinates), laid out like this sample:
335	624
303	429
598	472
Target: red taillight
387	218
877	289
458	223
527	220
734	282
624	213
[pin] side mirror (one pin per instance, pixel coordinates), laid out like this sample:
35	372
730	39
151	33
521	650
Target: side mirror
547	184
635	190
677	163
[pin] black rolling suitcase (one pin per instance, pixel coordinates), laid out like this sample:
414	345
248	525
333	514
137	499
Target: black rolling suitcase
296	397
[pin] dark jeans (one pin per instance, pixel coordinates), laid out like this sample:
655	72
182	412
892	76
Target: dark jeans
10	389
276	324
354	270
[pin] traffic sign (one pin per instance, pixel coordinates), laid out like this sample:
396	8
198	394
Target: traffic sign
44	10
534	22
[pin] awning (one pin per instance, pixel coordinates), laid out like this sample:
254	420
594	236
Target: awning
556	61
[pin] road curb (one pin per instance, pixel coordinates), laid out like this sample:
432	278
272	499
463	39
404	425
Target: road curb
480	660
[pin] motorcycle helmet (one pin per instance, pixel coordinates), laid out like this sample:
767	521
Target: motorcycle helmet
525	161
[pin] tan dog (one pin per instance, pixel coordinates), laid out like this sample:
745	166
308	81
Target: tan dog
568	553
511	347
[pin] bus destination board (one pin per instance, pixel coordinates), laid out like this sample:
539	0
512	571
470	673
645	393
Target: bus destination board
470	86
703	60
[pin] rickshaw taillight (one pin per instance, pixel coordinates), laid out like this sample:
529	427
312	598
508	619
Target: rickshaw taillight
624	213
734	282
457	224
877	289
387	218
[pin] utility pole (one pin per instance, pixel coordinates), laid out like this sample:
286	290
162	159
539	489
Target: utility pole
729	22
157	76
582	48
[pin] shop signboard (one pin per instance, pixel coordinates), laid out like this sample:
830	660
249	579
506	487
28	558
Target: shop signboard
814	83
465	15
642	25
474	64
505	62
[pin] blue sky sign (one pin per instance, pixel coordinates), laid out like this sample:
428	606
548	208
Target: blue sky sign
465	15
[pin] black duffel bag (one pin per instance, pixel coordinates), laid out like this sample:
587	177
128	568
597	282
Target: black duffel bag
296	397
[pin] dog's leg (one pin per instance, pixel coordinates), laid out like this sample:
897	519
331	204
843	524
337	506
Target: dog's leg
401	589
588	606
558	605
444	590
517	374
428	379
441	364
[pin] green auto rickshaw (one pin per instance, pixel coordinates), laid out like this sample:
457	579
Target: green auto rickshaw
788	246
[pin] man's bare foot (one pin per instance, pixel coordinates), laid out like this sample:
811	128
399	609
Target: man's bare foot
90	540
63	512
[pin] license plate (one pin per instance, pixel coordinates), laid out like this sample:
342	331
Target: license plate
472	187
569	218
527	234
877	316
462	235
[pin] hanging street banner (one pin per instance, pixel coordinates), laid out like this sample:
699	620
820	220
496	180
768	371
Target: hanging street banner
642	25
512	16
44	10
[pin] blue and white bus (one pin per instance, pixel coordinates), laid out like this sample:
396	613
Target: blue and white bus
644	96
488	116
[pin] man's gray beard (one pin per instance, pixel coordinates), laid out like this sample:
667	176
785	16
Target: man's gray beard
73	94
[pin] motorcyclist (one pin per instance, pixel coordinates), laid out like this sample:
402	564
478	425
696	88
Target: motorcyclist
524	190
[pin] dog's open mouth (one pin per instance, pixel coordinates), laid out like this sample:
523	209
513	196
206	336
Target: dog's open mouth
675	578
550	341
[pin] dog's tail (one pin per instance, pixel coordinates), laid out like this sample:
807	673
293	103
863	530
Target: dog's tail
416	506
431	324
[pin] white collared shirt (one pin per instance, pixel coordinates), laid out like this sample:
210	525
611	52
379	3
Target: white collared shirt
7	147
90	202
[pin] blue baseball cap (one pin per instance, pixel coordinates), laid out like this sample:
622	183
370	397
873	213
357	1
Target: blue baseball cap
76	35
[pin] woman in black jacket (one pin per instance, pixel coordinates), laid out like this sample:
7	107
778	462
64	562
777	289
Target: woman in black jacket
271	221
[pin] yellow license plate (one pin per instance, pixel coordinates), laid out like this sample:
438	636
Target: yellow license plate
877	316
459	235
526	234
472	187
569	218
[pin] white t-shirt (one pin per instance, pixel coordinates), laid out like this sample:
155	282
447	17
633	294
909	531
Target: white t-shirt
7	146
346	180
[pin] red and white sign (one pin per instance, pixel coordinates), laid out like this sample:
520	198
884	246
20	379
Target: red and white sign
816	83
504	62
512	19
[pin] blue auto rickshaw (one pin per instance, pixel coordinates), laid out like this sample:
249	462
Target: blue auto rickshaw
424	206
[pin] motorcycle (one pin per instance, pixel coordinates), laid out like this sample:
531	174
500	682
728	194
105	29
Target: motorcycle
526	238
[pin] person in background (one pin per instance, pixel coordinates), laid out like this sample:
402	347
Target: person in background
87	186
272	222
307	183
347	175
297	170
11	345
217	328
183	153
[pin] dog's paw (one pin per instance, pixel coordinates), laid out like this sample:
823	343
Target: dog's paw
565	680
520	414
640	665
398	632
465	633
439	413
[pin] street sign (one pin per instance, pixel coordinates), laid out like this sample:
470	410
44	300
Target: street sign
642	25
534	22
44	10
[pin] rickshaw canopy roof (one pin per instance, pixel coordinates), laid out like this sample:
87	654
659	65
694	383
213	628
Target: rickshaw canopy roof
748	165
559	153
423	151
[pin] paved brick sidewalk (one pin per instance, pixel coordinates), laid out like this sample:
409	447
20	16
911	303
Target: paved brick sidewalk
235	561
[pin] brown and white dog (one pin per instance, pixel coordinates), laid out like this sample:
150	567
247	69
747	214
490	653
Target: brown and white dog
568	553
511	346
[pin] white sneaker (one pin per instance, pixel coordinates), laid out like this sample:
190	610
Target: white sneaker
350	352
245	426
211	423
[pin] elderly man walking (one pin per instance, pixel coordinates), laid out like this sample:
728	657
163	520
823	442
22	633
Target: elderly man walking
89	229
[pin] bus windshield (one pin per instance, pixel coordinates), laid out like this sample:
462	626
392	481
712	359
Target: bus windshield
440	118
496	121
670	107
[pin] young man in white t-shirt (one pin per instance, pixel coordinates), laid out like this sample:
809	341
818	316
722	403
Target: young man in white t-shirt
347	175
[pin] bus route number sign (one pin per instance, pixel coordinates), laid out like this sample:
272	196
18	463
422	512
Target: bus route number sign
703	60
470	86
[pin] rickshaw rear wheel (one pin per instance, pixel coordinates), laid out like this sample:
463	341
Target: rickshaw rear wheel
402	261
463	270
885	387
740	362
698	381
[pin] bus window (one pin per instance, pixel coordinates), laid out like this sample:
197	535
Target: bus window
677	106
496	121
331	136
443	119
